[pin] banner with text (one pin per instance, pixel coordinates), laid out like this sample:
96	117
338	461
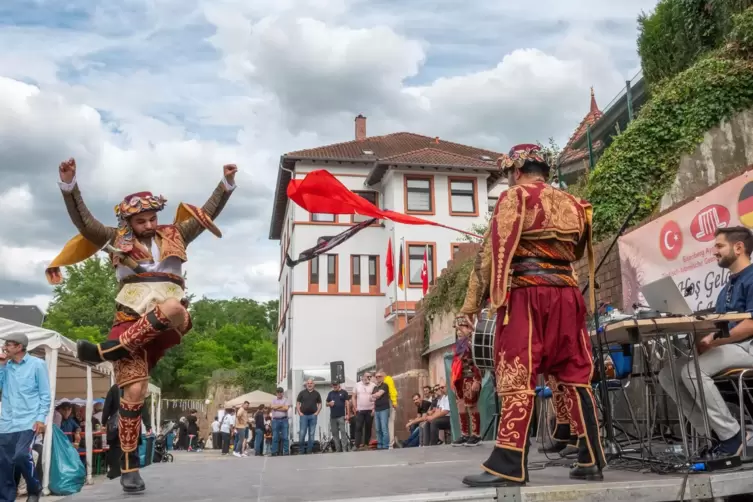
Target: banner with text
680	244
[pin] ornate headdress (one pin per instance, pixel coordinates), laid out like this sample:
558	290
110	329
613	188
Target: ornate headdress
519	155
132	205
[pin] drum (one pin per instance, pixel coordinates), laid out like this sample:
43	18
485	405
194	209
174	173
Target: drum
482	343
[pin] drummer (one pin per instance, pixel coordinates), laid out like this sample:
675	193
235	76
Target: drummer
733	246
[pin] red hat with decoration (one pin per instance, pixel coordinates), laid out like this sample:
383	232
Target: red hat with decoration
519	155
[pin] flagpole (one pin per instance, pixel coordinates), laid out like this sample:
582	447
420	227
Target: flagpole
394	276
406	278
426	254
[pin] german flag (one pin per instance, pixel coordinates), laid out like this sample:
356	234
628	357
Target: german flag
401	271
745	205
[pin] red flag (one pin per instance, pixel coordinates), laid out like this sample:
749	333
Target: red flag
390	263
425	273
320	192
401	271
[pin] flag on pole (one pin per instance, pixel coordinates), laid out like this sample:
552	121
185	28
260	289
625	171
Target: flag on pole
425	273
401	271
390	263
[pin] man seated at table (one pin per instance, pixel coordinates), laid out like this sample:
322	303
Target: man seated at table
733	247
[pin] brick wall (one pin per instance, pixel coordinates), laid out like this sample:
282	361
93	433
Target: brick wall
609	279
400	357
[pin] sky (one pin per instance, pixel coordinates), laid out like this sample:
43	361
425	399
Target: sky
159	94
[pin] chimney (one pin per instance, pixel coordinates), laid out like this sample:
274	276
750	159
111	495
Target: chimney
360	128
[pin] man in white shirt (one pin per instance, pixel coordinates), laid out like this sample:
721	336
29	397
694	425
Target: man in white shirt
438	419
364	407
226	429
216	441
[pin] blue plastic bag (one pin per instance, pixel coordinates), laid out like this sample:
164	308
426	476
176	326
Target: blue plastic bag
67	472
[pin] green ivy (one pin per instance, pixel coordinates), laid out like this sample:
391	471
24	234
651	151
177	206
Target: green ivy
679	32
448	294
641	164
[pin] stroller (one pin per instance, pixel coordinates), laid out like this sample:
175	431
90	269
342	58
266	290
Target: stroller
160	444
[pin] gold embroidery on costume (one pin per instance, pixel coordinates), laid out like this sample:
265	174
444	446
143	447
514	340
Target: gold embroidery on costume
513	384
129	425
560	212
131	369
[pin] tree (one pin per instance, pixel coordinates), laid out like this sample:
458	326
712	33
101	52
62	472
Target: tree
83	306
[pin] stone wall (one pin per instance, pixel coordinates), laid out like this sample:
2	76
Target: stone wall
608	280
726	150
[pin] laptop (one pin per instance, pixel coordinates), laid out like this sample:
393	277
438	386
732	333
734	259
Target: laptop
664	296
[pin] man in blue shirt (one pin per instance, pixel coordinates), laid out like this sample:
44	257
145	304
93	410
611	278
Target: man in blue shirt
336	401
26	403
733	247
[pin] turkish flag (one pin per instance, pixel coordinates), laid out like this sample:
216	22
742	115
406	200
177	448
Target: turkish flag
425	273
390	263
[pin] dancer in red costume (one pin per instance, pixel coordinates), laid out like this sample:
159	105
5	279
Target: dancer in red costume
466	383
151	313
525	267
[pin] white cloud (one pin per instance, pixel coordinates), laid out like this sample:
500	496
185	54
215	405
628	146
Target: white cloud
159	95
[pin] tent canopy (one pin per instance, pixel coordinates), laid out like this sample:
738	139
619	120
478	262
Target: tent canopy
71	373
255	398
38	337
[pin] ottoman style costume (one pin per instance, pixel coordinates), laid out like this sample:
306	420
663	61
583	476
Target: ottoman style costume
466	383
525	268
141	332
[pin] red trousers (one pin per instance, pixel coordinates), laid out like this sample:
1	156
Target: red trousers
545	332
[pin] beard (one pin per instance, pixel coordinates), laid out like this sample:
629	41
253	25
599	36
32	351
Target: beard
725	261
146	234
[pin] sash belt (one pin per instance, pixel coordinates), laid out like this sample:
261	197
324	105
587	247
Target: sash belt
535	259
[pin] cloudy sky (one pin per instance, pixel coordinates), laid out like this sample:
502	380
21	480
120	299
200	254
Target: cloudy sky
159	94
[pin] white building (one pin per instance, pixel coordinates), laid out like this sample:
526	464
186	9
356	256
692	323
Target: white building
338	307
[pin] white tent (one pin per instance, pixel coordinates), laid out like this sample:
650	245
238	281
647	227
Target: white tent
75	379
256	398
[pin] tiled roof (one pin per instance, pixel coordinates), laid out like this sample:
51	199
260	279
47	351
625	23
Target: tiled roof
27	314
388	145
400	148
436	157
569	154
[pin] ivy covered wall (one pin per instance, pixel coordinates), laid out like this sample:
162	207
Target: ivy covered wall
641	164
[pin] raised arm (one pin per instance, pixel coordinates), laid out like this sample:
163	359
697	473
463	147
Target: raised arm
88	226
190	229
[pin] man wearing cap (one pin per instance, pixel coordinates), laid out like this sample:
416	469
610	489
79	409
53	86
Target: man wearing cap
280	424
25	388
525	267
151	313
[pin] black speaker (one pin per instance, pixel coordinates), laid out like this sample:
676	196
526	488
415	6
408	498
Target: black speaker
337	372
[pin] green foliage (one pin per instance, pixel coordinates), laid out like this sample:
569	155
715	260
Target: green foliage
82	306
741	35
448	294
679	32
642	162
237	334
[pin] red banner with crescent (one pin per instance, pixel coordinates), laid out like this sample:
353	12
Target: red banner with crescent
680	244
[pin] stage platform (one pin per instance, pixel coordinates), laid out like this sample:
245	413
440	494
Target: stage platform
403	475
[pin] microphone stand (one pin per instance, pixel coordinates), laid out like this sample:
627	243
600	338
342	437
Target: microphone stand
611	448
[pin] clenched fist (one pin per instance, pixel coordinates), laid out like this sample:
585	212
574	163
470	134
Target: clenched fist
67	170
229	171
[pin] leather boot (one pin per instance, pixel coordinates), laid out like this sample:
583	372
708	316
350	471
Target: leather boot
92	353
130	478
487	480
